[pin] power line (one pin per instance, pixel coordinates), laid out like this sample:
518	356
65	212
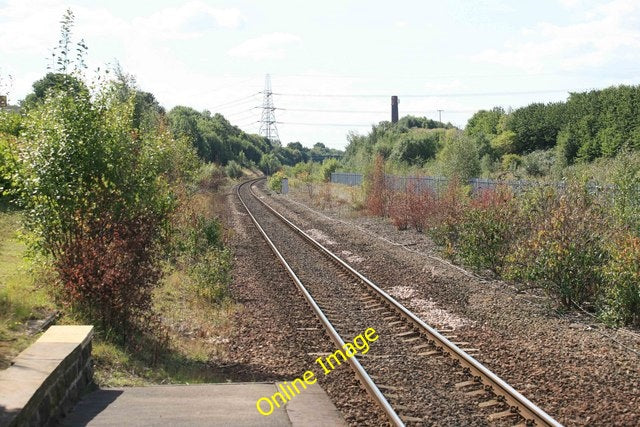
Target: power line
396	77
239	113
219	88
433	95
236	100
325	124
372	111
247	123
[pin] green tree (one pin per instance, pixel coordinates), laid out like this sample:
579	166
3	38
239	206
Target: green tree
536	126
416	146
504	143
269	164
184	124
329	166
485	123
459	157
58	81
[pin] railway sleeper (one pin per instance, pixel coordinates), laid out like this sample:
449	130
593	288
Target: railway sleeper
409	419
489	403
503	414
466	383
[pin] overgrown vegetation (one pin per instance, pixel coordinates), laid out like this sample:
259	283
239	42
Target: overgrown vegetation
115	202
534	142
578	243
274	182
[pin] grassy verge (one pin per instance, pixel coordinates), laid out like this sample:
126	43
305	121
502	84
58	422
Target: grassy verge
22	296
189	330
193	335
186	335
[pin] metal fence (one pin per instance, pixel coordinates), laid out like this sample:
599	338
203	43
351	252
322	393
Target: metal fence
437	184
347	178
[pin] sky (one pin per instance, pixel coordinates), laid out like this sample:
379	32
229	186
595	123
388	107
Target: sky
334	64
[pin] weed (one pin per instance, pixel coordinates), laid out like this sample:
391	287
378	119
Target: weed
622	275
565	250
274	182
486	229
376	189
399	209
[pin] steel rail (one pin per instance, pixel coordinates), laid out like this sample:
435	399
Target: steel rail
361	373
515	399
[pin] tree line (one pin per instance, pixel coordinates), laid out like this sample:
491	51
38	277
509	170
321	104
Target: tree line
540	139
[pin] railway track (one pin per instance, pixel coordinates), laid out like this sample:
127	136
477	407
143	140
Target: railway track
414	373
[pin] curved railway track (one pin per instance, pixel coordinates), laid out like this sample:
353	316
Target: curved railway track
405	372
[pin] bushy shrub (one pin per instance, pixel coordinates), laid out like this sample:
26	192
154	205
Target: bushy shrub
510	162
96	197
421	204
487	228
201	235
539	162
269	164
211	274
414	207
274	182
198	246
302	170
233	169
376	189
459	158
110	270
626	199
399	209
329	166
8	165
565	249
622	278
210	176
447	215
10	123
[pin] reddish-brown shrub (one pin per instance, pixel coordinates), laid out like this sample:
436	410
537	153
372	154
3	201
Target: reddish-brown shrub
447	213
421	204
399	210
110	270
376	189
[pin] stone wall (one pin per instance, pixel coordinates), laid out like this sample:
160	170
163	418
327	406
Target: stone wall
47	379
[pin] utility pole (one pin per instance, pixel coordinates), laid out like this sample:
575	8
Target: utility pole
268	127
440	115
394	109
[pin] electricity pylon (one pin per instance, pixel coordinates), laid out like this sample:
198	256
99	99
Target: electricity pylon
268	127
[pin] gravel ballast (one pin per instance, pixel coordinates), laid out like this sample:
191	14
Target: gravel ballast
573	367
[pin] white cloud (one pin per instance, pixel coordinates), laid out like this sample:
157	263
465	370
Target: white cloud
570	3
32	26
608	32
189	20
273	45
25	26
